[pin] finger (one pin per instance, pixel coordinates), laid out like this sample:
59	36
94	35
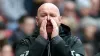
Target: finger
43	24
53	23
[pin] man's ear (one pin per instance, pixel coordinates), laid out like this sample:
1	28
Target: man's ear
60	19
37	21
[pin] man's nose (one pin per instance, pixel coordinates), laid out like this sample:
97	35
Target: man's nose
48	17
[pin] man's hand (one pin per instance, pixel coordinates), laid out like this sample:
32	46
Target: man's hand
55	31
43	31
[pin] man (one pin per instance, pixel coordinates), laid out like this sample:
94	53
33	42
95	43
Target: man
83	8
12	10
95	9
69	9
53	40
26	28
69	16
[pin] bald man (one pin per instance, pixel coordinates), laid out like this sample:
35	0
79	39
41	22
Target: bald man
54	38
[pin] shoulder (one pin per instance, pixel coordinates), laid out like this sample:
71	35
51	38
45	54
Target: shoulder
27	41
98	54
72	40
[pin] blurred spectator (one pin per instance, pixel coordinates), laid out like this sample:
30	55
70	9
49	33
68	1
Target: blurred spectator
2	19
83	7
31	6
69	9
7	50
3	39
60	5
69	16
4	22
27	24
2	31
12	10
87	34
26	28
95	8
88	26
89	49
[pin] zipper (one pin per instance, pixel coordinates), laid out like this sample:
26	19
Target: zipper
49	53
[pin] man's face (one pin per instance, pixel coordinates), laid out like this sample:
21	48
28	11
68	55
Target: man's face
90	31
28	25
85	11
2	34
69	9
48	13
95	5
7	51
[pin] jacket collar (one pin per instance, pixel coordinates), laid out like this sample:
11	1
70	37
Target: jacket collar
64	30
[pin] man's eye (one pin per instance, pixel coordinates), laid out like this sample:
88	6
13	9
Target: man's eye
42	15
53	15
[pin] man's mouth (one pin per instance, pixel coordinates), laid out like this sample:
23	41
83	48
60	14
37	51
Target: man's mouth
49	27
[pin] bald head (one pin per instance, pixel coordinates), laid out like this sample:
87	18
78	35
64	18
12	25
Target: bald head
48	11
48	6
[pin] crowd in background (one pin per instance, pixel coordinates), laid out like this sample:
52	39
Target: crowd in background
17	21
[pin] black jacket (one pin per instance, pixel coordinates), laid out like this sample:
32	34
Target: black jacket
17	35
98	54
62	45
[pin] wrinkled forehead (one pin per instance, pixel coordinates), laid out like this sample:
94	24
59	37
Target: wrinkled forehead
48	7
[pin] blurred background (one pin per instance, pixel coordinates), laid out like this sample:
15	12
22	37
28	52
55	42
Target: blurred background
17	21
